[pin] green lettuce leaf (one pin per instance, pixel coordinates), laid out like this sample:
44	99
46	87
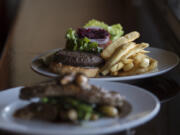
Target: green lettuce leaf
72	40
84	44
115	30
96	23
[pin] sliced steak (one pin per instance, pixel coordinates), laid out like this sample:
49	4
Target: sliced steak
38	111
91	95
76	58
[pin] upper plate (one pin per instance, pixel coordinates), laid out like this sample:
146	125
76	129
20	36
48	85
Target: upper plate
166	61
144	107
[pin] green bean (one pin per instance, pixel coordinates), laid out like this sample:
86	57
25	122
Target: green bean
85	107
77	109
49	100
87	116
44	100
80	106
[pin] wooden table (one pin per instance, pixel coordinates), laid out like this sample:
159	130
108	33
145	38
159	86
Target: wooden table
41	26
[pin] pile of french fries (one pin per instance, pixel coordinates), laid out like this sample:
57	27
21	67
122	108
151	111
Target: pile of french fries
124	57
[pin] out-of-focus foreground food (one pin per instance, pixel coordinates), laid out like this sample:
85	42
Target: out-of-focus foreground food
69	98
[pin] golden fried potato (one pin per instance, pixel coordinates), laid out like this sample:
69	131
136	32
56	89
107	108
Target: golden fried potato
137	49
153	64
120	52
116	57
117	67
110	49
124	57
139	70
144	51
144	62
128	66
114	73
126	61
138	58
134	71
104	71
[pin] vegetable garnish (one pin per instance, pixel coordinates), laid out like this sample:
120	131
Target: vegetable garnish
84	110
69	98
115	30
94	37
80	44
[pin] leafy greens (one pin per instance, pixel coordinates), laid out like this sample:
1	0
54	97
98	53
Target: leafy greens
80	44
115	30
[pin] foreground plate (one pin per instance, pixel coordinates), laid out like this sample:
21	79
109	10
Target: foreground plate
144	107
167	60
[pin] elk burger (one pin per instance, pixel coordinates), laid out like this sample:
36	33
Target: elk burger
83	48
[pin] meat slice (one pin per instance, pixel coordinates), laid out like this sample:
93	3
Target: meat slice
38	111
88	93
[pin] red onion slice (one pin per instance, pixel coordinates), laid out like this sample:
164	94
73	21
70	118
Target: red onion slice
94	34
101	41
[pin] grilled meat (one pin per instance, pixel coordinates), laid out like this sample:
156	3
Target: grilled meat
75	58
70	98
38	111
80	90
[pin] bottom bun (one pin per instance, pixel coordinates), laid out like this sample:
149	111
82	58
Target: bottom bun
59	68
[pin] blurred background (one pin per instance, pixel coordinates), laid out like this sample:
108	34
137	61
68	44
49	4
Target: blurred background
46	21
8	11
158	21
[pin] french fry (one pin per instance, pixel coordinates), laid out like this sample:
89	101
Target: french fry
114	73
120	52
126	61
104	71
116	57
145	63
144	51
153	64
117	67
128	67
109	50
138	58
134	71
139	70
124	57
135	50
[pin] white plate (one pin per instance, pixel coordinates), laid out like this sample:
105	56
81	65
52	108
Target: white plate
144	107
167	60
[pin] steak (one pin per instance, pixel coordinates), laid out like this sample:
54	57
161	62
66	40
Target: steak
76	58
94	95
68	85
38	111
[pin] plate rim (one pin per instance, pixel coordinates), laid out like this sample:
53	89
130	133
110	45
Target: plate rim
133	124
123	78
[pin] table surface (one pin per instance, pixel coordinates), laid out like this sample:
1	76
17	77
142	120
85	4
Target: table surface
40	26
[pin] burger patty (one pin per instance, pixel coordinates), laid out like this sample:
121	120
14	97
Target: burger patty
76	58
